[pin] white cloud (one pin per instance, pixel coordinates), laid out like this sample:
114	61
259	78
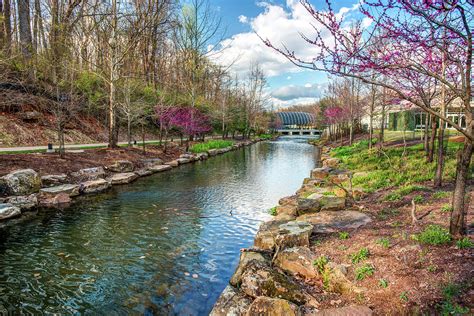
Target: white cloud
282	26
291	92
243	19
308	85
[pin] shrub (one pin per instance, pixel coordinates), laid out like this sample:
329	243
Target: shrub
273	211
211	144
361	255
434	235
364	271
343	235
464	243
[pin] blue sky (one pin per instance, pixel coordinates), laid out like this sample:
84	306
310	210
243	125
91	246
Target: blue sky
280	21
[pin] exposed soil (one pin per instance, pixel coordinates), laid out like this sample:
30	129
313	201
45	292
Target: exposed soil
45	163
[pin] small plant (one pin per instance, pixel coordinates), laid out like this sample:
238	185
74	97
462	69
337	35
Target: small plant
384	242
434	235
446	208
432	268
273	211
464	243
404	296
448	306
361	255
364	271
441	194
328	193
383	283
343	235
418	199
321	263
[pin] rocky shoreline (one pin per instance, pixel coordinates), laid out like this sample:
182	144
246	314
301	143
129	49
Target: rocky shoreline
22	191
280	274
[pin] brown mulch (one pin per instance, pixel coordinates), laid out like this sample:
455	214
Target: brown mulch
52	164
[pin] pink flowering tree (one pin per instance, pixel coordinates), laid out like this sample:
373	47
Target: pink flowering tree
410	42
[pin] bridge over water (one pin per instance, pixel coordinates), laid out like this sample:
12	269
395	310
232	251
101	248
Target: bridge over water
297	124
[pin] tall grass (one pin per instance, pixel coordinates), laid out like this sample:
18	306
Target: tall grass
211	144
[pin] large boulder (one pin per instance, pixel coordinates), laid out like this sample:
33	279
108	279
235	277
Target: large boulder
331	162
60	199
266	306
94	186
231	302
297	261
121	166
329	222
53	179
283	233
259	279
23	202
320	173
69	189
20	182
8	211
245	258
89	174
337	281
122	178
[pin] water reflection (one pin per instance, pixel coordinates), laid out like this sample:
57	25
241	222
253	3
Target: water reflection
165	245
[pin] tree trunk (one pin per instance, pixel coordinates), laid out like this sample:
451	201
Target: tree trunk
371	117
25	29
431	145
129	130
457	225
113	75
7	26
425	136
143	138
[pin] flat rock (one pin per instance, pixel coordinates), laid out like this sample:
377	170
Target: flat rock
94	186
259	279
293	234
245	258
53	179
69	189
60	199
173	163
353	310
122	178
160	168
143	172
202	156
121	166
320	173
329	222
151	162
212	152
272	307
297	261
231	302
8	211
331	162
88	174
20	182
265	238
182	161
23	202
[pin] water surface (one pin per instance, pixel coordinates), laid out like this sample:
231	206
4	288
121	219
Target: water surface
166	244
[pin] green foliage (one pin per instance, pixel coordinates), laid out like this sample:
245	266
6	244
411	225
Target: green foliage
393	196
451	308
92	86
404	296
328	193
464	243
211	144
450	292
273	211
418	199
343	235
321	263
265	136
441	194
446	208
384	242
434	235
361	255
364	271
383	283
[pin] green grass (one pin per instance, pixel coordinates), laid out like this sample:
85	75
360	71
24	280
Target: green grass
464	243
441	194
392	168
343	235
265	136
210	144
364	271
418	199
434	235
361	255
446	208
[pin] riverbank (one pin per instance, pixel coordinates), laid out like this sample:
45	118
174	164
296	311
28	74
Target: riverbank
44	180
354	241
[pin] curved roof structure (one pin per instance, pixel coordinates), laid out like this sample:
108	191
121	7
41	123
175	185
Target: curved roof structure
296	118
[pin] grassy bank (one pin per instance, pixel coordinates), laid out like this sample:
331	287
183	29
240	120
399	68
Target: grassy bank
211	144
